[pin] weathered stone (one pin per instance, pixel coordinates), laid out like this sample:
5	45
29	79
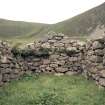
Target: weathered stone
95	77
4	59
61	70
28	72
51	41
58	36
93	70
4	65
46	45
46	62
49	72
71	50
96	59
102	81
5	77
102	73
97	45
59	74
104	50
59	44
36	64
63	58
100	39
66	40
49	69
90	53
43	66
99	52
60	63
53	65
13	76
16	71
71	73
73	59
0	77
100	66
36	60
54	56
104	62
8	70
61	35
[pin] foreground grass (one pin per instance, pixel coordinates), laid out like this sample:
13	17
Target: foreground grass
52	90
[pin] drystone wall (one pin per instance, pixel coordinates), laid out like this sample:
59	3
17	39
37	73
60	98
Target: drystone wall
9	67
95	60
56	54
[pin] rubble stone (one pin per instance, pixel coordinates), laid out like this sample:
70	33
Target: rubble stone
97	45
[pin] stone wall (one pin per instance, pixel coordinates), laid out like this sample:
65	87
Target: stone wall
56	54
95	60
9	66
63	55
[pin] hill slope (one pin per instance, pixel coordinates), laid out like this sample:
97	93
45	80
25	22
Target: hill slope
12	29
90	23
83	24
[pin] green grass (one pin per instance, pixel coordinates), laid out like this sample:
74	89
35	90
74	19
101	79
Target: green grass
52	90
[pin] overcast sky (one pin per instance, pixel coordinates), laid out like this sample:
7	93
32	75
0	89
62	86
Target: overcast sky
44	11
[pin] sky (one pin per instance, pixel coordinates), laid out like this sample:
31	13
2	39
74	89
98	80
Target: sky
44	11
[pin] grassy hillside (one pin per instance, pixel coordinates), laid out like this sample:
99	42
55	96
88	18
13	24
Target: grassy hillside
79	26
83	24
12	29
52	90
20	32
